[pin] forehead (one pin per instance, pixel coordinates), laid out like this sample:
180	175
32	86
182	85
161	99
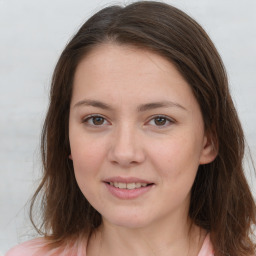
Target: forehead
111	60
112	70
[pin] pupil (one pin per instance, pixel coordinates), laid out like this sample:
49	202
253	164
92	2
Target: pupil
98	120
160	121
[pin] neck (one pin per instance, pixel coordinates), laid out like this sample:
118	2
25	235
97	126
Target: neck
160	239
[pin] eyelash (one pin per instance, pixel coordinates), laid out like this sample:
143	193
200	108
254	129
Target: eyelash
91	117
166	119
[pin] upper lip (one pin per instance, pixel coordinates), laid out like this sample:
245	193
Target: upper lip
126	180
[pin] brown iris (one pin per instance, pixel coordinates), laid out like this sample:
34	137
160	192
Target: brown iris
160	120
97	120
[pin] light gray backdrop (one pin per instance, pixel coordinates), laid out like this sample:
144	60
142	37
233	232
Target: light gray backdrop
33	34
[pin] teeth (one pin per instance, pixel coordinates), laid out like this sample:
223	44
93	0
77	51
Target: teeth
122	185
131	186
128	185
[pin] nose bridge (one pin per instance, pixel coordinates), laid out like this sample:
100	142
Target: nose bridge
126	149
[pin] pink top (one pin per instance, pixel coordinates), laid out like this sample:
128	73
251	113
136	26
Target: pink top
35	248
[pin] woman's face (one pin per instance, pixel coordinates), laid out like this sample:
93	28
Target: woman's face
136	135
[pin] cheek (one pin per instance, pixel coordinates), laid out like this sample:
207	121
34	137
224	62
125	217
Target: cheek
85	150
87	158
86	162
177	158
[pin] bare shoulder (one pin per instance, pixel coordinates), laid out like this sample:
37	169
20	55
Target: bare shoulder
35	247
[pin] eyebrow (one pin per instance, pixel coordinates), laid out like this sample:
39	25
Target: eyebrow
141	108
162	104
93	103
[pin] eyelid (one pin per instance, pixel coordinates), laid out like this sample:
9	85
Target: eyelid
169	119
91	116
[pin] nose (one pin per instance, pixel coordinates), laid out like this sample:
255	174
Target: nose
126	148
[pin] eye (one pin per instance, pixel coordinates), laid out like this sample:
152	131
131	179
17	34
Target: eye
161	121
95	120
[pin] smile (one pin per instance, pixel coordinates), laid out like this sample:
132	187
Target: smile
128	188
128	185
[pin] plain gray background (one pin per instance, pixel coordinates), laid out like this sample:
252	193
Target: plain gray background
33	34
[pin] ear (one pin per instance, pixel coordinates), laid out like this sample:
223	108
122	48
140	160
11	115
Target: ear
210	149
70	157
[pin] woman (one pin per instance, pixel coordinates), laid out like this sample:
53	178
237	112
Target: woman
142	146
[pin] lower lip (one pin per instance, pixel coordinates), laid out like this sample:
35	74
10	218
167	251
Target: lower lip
127	193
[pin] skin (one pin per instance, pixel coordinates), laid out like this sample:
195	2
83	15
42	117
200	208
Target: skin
127	140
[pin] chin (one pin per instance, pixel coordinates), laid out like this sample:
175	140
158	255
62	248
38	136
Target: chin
132	221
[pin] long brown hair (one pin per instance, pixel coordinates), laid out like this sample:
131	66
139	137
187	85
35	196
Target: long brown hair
221	201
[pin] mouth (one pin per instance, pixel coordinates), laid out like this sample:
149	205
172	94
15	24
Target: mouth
129	186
